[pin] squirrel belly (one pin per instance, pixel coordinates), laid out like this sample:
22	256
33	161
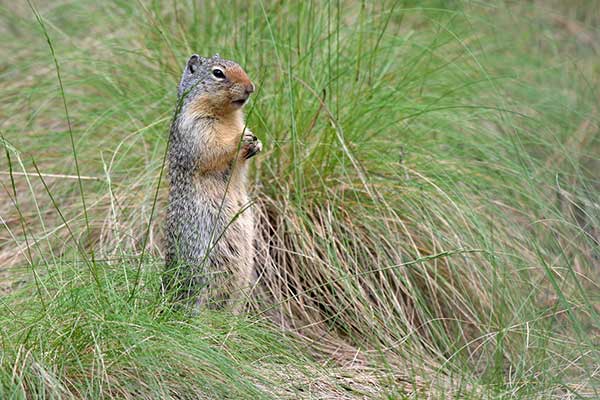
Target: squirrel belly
209	223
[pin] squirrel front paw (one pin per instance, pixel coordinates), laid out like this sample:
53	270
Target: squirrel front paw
251	146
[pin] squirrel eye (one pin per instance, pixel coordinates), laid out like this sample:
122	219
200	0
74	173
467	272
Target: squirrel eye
218	73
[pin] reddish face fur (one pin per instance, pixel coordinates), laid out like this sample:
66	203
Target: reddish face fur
227	95
238	75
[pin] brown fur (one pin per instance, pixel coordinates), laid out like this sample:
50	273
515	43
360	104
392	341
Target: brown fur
237	74
225	132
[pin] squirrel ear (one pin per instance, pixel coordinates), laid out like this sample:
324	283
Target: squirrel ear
194	62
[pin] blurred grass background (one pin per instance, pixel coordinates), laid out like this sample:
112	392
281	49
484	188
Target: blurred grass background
428	200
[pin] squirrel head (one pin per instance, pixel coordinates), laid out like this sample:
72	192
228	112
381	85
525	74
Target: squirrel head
214	86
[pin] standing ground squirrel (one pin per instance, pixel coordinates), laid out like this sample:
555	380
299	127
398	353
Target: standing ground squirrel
209	224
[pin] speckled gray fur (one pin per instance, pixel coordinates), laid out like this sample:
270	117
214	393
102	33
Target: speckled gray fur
209	224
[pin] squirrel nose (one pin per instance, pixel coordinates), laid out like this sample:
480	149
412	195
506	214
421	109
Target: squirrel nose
250	88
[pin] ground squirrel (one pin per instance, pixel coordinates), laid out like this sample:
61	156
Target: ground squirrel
210	224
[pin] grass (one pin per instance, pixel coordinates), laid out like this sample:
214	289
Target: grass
427	200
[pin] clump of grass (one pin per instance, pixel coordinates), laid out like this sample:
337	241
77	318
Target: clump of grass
427	201
89	342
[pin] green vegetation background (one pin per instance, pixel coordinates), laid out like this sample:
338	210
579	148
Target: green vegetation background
428	191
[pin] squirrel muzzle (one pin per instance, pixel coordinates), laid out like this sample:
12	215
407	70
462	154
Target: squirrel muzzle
243	93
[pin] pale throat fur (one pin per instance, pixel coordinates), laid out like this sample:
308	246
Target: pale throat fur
217	125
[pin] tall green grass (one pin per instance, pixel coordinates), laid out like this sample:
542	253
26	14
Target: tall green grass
427	201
